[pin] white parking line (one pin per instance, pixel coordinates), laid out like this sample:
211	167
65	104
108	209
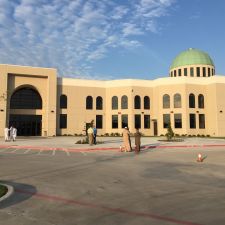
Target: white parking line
14	150
67	152
53	152
84	153
40	151
26	151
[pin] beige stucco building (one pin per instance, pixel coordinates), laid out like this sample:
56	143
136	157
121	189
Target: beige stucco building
191	99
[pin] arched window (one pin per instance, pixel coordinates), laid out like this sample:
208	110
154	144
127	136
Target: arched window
26	98
146	102
137	102
124	102
191	101
166	101
114	102
99	103
177	101
201	101
89	102
63	102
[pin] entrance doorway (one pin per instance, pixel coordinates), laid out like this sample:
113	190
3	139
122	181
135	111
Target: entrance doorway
26	125
155	126
24	99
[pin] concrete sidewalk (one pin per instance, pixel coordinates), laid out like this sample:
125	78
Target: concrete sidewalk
108	142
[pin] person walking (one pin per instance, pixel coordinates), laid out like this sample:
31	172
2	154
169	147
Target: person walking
14	133
95	134
90	135
6	131
137	136
11	133
126	140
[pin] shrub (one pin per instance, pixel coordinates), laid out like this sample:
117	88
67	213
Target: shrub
106	134
170	133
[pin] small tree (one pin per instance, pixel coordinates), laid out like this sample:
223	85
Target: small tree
170	133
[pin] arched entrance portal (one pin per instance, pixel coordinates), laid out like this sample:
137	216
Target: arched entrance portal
24	105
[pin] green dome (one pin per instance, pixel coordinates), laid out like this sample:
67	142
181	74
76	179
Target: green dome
192	56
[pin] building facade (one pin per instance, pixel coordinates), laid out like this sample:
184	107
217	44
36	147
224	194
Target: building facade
39	103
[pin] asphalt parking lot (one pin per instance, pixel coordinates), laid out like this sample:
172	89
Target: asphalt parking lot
159	186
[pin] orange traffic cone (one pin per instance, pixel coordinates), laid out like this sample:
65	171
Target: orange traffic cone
199	159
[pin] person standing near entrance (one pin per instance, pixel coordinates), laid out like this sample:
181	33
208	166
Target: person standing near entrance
90	135
6	131
11	133
137	136
14	133
126	140
94	134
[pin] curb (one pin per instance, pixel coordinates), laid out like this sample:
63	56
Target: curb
9	192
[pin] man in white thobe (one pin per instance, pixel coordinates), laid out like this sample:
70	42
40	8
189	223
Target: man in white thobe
14	133
6	130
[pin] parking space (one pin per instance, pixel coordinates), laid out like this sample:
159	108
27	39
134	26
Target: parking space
54	152
159	186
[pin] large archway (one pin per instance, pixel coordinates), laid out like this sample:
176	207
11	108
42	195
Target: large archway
24	104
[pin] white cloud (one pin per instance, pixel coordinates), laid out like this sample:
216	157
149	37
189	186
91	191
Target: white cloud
70	35
131	29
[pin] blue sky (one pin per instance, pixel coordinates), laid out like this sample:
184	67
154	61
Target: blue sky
110	39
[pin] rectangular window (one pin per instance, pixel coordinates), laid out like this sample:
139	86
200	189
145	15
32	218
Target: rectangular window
124	120
192	121
179	72
198	71
204	72
171	73
202	121
208	72
99	121
146	121
114	121
178	120
185	71
166	120
212	72
175	73
63	121
137	121
191	71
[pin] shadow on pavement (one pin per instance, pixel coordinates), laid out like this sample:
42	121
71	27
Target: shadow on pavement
19	195
147	146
